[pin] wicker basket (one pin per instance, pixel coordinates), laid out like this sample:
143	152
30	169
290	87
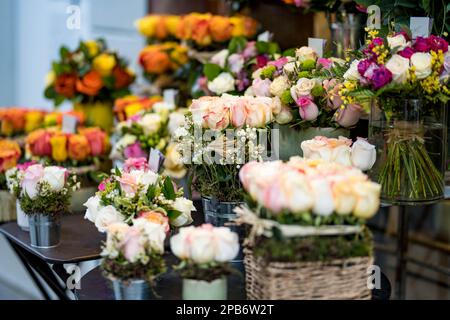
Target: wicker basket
336	279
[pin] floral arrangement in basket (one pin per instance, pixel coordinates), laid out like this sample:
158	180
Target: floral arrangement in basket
134	252
198	29
216	158
43	190
126	107
19	121
148	130
205	253
86	147
305	215
390	72
308	85
135	191
229	70
10	154
90	73
359	154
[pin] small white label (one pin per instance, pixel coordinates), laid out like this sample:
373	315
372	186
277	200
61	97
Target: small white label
155	160
169	96
69	123
420	26
266	36
318	45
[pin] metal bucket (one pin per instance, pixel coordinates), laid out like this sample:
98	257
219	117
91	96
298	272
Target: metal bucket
22	218
132	290
45	230
203	290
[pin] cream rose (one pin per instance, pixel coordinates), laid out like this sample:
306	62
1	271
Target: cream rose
185	206
279	85
227	244
223	83
220	58
150	123
55	177
399	67
352	73
363	155
421	61
106	216
397	42
305	53
92	207
155	233
303	87
176	120
368	199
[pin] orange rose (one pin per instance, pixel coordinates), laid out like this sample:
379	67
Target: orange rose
98	140
161	31
122	78
250	27
9	154
220	28
79	148
65	84
200	32
154	61
90	84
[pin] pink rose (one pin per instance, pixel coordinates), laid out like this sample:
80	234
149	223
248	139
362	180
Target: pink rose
261	61
307	108
325	63
261	88
24	166
250	50
132	245
135	164
32	176
96	139
128	184
421	45
273	198
238	114
42	147
102	186
349	116
218	119
406	53
332	88
279	63
134	151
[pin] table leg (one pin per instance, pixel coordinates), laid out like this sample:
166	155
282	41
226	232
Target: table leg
402	252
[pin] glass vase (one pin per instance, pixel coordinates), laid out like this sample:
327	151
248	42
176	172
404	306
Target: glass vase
410	137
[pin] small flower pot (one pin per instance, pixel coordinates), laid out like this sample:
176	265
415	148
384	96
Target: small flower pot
22	218
7	206
45	230
204	290
132	290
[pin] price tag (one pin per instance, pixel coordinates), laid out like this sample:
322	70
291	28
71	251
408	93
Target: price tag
420	26
169	96
155	160
69	123
318	45
266	36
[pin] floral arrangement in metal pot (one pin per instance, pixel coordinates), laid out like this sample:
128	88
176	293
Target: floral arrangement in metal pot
135	191
90	73
134	252
307	209
308	87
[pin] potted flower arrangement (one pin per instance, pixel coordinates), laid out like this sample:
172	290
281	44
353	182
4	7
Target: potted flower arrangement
359	154
92	77
214	157
229	70
9	156
148	130
205	252
135	191
308	87
405	84
133	257
44	195
307	229
126	107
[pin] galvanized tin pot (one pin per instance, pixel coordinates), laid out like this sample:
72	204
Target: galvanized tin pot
22	218
132	290
204	290
45	230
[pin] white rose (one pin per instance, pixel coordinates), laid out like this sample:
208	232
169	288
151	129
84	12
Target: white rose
227	244
296	192
249	92
155	233
151	123
363	155
200	108
305	53
185	206
144	178
223	83
422	63
303	87
220	58
176	120
368	199
160	107
106	216
236	62
92	207
289	68
323	197
55	177
341	154
344	197
316	149
399	67
352	73
279	85
284	116
202	246
397	42
179	245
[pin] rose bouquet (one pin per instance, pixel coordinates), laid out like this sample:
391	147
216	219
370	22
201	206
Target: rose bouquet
135	191
222	134
128	106
19	121
359	154
306	215
134	254
229	70
407	82
205	253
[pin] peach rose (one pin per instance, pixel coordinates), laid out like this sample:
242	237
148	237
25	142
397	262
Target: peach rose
220	28
98	140
154	61
78	146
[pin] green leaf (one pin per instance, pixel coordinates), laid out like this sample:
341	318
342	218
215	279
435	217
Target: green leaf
117	172
237	44
59	99
262	47
289	52
151	192
273	48
167	189
173	214
211	71
63	52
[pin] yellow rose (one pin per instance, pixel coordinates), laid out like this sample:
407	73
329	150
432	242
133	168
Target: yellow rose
50	78
92	47
104	63
172	23
59	147
33	120
7	128
147	25
179	55
132	109
238	26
